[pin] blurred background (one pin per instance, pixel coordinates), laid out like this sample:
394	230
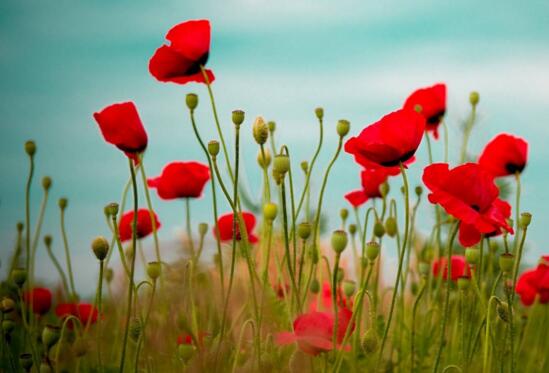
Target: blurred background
63	60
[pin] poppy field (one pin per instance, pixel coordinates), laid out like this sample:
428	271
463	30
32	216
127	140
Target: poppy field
269	289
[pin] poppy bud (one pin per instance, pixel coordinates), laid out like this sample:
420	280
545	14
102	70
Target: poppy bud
305	166
369	341
391	226
379	229
281	163
80	347
339	241
384	189
272	126
372	250
213	148
238	117
277	177
419	190
26	362
349	288
472	255
185	352
7	305
30	148
424	268
315	286
264	158
474	98
525	219
463	282
46	182
20	226
135	329
343	127
112	208
47	240
8	326
63	202
154	269
319	112
260	131
19	276
109	275
304	230
100	247
506	261
192	101
340	274
202	228
352	229
50	335
502	309
344	214
45	367
269	211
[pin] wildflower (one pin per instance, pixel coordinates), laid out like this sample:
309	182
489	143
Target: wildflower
225	224
83	311
459	267
40	298
504	155
432	101
468	193
181	180
182	60
372	179
121	126
534	282
391	140
187	339
144	224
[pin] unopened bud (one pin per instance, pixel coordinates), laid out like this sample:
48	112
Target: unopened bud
464	282
30	148
192	101
372	250
472	255
7	305
319	112
63	202
315	286
203	228
20	226
260	131
109	275
19	276
264	158
48	240
349	288
238	117
344	214
339	241
154	269
379	229
185	351
305	166
424	268
272	126
135	329
46	182
100	247
8	326
281	163
304	230
50	335
384	189
343	127
391	226
352	229
270	211
369	341
506	262
112	209
502	309
419	190
525	219
474	98
340	274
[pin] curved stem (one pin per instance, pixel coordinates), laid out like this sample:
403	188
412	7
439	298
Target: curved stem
67	253
413	333
59	269
334	300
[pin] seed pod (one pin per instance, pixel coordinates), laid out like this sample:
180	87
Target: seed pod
46	182
379	229
19	276
474	98
100	247
112	209
391	226
238	117
264	158
192	101
525	219
464	282
50	335
203	228
349	288
343	127
213	148
185	352
63	202
270	210
472	255
372	250
339	241
154	270
506	262
352	229
26	362
281	163
304	230
319	112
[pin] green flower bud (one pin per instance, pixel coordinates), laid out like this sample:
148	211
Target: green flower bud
48	240
315	286
260	131
384	189
319	112
26	362
472	255
192	101
19	276
369	341
30	148
281	163
20	226
339	241
474	98
270	211
63	202
525	219
349	288
352	229
213	148
109	275
112	209
80	347
7	305
154	269
343	127
50	335
419	190
185	352
506	262
304	230
344	214
135	329
391	226
272	126
305	166
8	326
203	229
264	158
46	182
238	117
100	247
424	268
372	250
379	229
464	282
502	310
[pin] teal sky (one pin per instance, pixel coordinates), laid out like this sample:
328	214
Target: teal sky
63	60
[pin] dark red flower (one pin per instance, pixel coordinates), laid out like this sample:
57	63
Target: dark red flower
41	300
504	155
534	282
121	126
433	105
459	267
371	181
391	140
468	193
144	224
181	180
82	311
225	223
189	48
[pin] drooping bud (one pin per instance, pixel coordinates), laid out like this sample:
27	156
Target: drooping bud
281	163
30	148
48	240
391	226
379	229
135	329
112	209
185	352
419	190
464	282
384	189
270	211
343	127
20	226
203	229
26	362
213	148
315	286
154	269
525	219
192	101
339	241
304	230
349	288
344	214
369	341
19	276
46	182
472	255
474	98
506	262
63	202
264	158
100	247
50	335
260	131
319	112
238	117
305	166
352	229
372	250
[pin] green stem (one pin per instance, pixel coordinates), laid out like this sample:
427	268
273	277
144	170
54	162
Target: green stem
188	224
37	231
99	310
59	269
487	338
28	228
413	333
334	300
151	211
67	253
287	254
467	132
517	212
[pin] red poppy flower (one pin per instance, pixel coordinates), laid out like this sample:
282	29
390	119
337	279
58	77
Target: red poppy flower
187	339
313	331
468	193
181	180
225	224
433	105
534	282
82	311
504	155
189	48
326	303
371	181
144	224
391	140
280	291
41	300
459	267
121	126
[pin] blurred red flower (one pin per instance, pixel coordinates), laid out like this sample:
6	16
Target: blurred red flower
144	224
121	126
468	193
504	155
391	140
189	48
534	282
433	105
82	311
225	224
41	300
371	180
459	267
181	180
326	303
